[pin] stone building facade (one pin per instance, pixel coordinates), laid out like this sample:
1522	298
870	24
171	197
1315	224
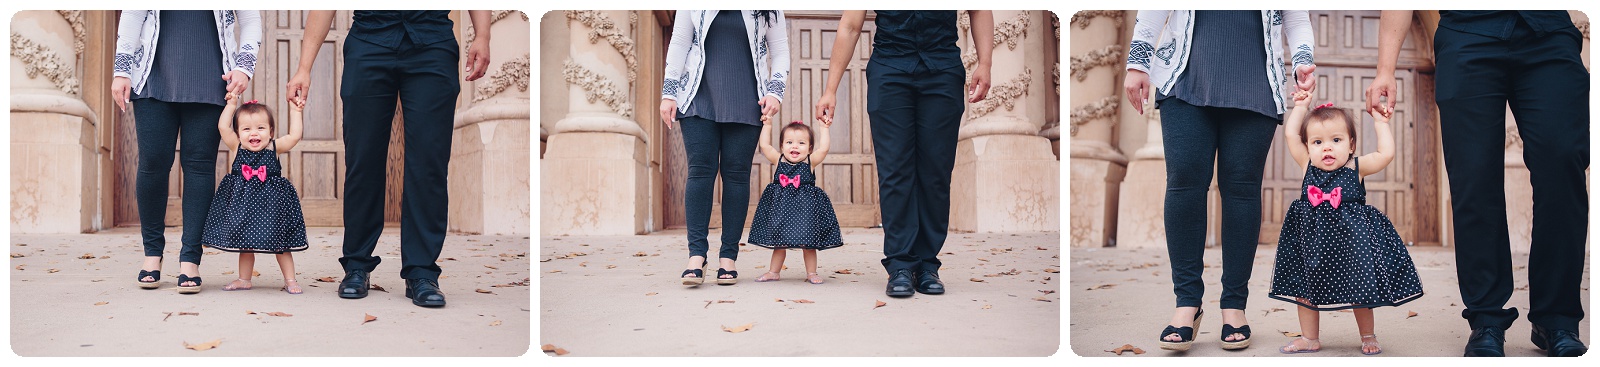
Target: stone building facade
73	154
1118	174
609	167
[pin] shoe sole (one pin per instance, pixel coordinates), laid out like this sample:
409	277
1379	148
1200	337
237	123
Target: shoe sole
189	290
152	285
900	294
930	292
727	281
422	303
693	281
352	296
1181	346
1227	345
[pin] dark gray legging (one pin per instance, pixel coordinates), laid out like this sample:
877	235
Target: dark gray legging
710	144
158	126
1238	141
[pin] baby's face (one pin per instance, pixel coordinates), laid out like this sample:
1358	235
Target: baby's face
1328	143
254	131
796	145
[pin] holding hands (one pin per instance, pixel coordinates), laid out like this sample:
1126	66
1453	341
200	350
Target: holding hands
1302	99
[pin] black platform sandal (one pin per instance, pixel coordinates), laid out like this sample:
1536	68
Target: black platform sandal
727	281
1237	344
1186	333
155	274
188	289
699	275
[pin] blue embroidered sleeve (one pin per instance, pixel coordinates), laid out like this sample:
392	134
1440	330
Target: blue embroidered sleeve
1139	53
123	63
1302	56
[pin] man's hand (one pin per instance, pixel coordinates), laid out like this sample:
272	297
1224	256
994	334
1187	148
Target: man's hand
823	110
1137	83
1382	86
980	84
477	59
298	88
120	88
237	82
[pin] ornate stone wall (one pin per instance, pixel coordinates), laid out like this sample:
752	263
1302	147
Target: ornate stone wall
490	151
1098	167
54	176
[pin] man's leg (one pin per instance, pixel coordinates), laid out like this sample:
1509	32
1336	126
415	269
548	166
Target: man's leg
368	92
429	83
1471	92
1550	101
938	121
891	105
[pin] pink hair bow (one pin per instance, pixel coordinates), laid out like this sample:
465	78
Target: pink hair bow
258	173
786	180
253	102
1316	196
1324	105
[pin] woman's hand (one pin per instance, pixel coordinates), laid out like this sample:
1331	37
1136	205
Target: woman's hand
669	111
770	106
1305	78
120	88
237	82
1138	86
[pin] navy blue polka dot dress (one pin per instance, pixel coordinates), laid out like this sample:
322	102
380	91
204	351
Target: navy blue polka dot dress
794	212
256	209
1340	257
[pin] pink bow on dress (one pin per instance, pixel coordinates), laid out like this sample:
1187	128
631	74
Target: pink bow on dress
786	180
1316	196
260	173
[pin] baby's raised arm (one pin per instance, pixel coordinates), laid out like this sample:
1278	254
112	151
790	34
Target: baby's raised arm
297	111
820	149
1376	161
225	122
1291	129
765	142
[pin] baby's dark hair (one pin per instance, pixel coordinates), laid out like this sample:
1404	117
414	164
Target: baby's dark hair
256	108
810	136
1329	114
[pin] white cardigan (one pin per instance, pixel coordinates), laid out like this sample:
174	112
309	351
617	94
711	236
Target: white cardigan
138	30
1173	54
686	55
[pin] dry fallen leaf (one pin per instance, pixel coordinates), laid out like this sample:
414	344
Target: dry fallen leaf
641	254
611	266
1411	314
976	280
369	318
326	279
651	294
880	304
560	352
1127	348
52	271
86	256
1052	270
584	264
103	303
188	313
249	312
724	301
738	329
485	291
278	314
548	348
1291	334
377	288
227	272
491	267
495	323
801	301
986	307
1102	286
1046	291
203	346
843	271
1041	299
17	255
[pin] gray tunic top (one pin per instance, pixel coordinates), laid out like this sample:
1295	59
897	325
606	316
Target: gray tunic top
188	53
728	88
1226	64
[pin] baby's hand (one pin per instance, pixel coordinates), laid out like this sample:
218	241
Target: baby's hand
1302	99
233	101
298	104
1381	113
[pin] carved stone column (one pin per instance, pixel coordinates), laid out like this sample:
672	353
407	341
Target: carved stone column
593	180
53	168
1006	176
1097	166
489	150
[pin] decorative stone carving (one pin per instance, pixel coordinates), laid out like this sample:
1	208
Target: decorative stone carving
1012	31
1055	78
514	72
597	87
37	60
1105	56
1055	24
1081	19
472	32
75	19
1004	95
601	27
1105	107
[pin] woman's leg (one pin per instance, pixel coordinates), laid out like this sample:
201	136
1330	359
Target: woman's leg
1243	142
156	133
700	142
199	161
1190	144
736	151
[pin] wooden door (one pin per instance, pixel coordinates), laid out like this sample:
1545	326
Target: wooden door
848	175
1346	46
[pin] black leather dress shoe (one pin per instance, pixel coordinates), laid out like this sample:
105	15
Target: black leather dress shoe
354	285
1558	343
424	292
1486	341
928	283
899	284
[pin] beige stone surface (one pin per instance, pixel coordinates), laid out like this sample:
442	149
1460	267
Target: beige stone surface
1141	205
52	173
593	184
1094	195
489	178
1005	183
